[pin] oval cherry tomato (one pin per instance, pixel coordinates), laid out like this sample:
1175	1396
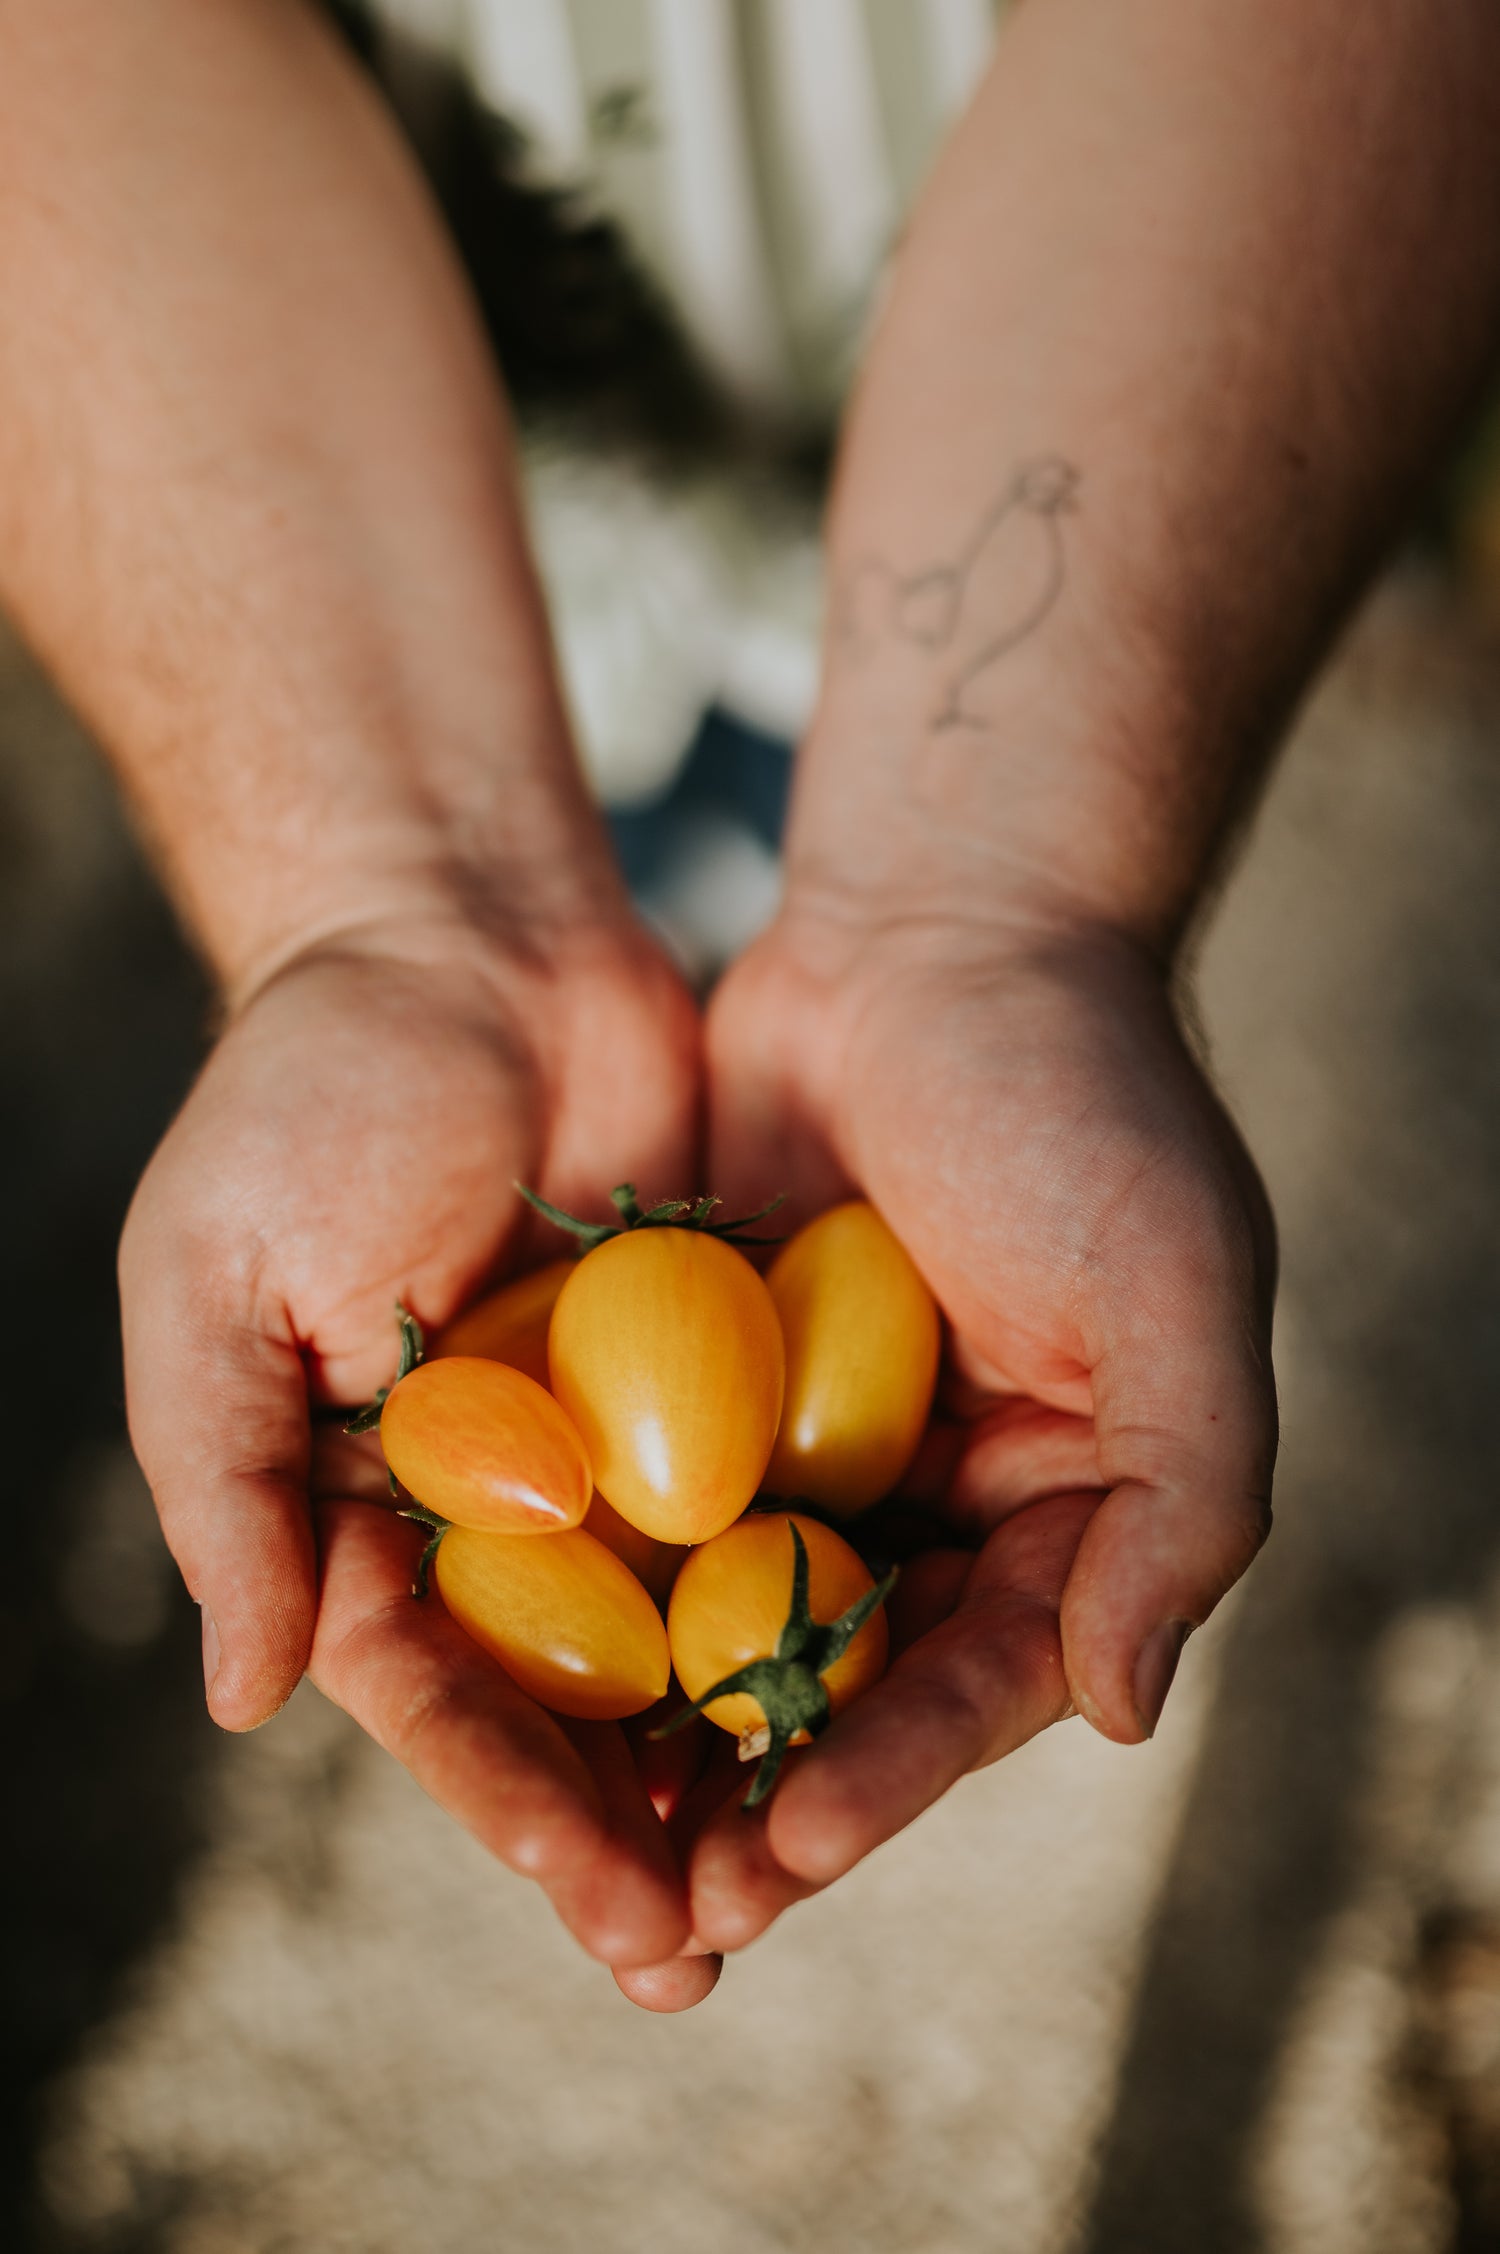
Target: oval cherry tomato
511	1324
485	1446
653	1563
565	1619
730	1604
862	1341
666	1352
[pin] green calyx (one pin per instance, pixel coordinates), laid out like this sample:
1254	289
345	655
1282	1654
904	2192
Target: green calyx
672	1213
413	1346
437	1528
788	1687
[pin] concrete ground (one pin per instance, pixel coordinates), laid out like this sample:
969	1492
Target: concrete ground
1239	1990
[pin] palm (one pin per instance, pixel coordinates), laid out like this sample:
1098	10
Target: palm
381	1154
1035	1132
360	1130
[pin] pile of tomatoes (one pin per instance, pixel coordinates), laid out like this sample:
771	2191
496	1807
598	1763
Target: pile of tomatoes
607	1441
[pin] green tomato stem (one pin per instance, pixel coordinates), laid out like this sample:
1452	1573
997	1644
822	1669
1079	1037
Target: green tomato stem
788	1687
409	1352
671	1213
439	1527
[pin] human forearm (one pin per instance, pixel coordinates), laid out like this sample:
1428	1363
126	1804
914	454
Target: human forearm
1222	278
1186	317
256	501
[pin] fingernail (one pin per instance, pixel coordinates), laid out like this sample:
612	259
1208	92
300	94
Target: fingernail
1156	1664
210	1650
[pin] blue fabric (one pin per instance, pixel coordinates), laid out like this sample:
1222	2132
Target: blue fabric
731	769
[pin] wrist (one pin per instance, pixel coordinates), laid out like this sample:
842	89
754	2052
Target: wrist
1058	851
852	922
554	996
429	896
838	967
422	925
1090	784
499	940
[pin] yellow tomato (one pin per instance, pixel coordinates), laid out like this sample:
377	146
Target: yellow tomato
653	1563
730	1604
666	1353
565	1619
511	1324
862	1340
486	1447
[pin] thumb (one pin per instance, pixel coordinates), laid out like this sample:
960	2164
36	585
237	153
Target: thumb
218	1418
1185	1419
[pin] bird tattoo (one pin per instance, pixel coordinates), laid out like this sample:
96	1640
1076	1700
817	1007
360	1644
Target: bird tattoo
981	606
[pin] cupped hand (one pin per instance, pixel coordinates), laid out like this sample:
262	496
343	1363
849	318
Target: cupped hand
1022	1108
353	1141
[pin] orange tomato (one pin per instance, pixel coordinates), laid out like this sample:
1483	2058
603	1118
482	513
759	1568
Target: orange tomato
730	1604
666	1352
486	1447
653	1563
566	1620
862	1339
511	1324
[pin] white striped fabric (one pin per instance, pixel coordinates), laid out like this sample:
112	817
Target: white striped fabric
523	62
757	154
717	267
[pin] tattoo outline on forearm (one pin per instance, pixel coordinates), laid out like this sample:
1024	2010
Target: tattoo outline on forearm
1017	553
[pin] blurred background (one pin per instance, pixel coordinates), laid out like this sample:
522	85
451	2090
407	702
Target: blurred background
1238	1990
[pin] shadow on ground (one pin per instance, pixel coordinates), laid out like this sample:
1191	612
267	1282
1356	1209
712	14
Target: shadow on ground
1352	983
100	1020
1354	986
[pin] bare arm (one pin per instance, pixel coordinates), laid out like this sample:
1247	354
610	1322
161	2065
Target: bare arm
257	507
257	511
1191	309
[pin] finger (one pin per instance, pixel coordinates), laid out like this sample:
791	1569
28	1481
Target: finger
929	1475
981	1683
507	1771
766	1138
676	1985
587	1900
668	1767
1005	1455
348	1467
1017	1454
218	1418
604	1102
737	1885
1187	1438
928	1591
723	1779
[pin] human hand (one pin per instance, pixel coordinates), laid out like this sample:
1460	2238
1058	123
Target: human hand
1022	1109
353	1140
